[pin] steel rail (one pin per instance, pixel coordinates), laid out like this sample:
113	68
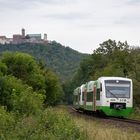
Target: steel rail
130	121
126	120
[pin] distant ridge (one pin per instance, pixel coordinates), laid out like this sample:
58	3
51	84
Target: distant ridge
62	60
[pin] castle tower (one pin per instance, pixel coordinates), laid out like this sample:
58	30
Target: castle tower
45	37
23	32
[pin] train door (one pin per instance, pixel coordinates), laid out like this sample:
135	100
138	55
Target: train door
85	99
94	97
98	91
79	97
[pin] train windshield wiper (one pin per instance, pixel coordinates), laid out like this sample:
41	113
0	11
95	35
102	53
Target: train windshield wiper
111	93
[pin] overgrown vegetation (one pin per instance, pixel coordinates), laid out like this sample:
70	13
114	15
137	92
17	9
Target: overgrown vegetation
47	125
26	87
21	76
136	113
97	130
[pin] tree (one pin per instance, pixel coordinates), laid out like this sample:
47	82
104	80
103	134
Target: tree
20	65
3	68
54	92
24	67
20	97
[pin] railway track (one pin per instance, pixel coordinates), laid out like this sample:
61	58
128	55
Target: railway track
126	120
108	119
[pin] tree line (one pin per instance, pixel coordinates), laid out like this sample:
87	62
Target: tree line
27	89
25	84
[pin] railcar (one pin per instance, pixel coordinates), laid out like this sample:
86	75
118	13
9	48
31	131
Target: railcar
79	97
112	96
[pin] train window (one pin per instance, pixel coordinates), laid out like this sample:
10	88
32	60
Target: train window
98	94
79	96
90	97
100	86
82	96
75	98
117	89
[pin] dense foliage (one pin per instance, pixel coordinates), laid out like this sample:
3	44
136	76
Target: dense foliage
62	60
47	125
110	59
26	88
22	78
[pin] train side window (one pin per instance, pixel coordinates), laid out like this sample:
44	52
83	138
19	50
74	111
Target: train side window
79	96
82	96
98	94
100	86
89	96
76	98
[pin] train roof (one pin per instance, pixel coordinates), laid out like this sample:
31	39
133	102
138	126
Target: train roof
82	87
114	78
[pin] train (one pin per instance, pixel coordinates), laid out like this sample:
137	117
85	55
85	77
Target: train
111	96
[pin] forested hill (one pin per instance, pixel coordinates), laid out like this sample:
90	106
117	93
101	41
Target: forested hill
62	60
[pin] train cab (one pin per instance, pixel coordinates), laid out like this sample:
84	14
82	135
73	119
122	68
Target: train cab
116	96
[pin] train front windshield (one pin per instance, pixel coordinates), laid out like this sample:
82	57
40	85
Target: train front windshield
117	89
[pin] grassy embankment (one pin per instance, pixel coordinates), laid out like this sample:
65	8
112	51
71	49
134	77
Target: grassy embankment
100	131
96	130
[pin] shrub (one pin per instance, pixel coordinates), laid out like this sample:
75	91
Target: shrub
19	97
60	126
7	123
49	125
54	92
27	102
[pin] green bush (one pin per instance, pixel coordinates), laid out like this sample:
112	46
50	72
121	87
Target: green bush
135	114
54	92
49	125
19	97
24	67
27	102
3	69
7	123
60	126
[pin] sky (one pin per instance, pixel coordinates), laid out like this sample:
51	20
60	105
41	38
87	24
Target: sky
79	24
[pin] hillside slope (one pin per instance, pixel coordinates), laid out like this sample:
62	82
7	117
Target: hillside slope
62	60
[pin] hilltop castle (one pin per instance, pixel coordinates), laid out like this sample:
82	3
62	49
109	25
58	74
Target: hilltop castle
24	38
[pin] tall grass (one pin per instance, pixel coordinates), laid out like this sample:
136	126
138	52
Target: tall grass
96	130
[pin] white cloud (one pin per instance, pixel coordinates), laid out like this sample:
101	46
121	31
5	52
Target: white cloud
80	24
